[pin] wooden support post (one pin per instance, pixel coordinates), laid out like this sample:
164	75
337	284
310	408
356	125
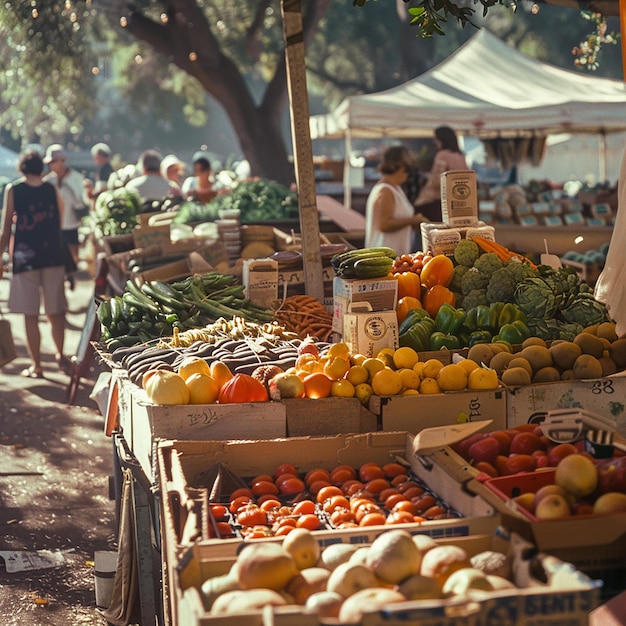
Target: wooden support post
303	152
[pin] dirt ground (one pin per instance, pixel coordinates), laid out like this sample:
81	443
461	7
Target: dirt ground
55	463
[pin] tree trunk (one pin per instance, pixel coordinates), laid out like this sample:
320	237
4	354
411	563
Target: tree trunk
187	40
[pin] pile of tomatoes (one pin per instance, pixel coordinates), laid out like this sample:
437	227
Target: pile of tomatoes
411	262
344	497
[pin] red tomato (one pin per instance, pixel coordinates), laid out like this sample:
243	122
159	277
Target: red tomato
377	485
399	517
394	469
461	447
424	503
370	471
487	468
485	450
285	468
519	463
292	486
327	492
560	451
218	511
309	521
318	473
504	439
373	518
525	443
304	507
251	515
341	516
263	487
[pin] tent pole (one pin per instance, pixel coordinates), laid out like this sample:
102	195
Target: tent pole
347	188
302	149
602	167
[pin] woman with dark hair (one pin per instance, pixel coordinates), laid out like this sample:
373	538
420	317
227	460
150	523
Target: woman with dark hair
199	186
448	157
31	228
389	216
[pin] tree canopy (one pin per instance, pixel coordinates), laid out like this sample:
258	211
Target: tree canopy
84	70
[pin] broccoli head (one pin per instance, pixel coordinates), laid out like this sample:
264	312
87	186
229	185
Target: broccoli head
519	269
457	276
474	298
473	279
501	286
466	252
488	263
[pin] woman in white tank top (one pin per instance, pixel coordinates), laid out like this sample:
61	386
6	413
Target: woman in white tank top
389	216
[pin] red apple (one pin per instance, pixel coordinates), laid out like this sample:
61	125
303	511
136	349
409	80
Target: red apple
549	490
504	439
612	475
462	447
583	507
517	463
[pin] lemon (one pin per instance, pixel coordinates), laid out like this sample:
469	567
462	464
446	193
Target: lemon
386	356
431	368
202	389
418	368
339	349
363	392
405	357
429	385
468	365
483	378
373	365
336	367
193	365
386	382
342	389
357	374
357	359
410	379
410	392
452	377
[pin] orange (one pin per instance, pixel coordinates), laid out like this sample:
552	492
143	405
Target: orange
431	368
387	382
357	374
342	389
405	357
339	349
452	377
317	385
336	367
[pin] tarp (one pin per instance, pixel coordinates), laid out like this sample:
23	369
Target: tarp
485	89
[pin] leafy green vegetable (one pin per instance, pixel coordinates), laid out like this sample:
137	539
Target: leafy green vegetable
257	200
192	211
457	276
585	310
535	298
115	212
474	298
488	263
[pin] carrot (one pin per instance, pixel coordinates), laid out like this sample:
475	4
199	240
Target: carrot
502	252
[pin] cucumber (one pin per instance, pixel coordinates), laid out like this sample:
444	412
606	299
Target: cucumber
103	313
354	255
373	267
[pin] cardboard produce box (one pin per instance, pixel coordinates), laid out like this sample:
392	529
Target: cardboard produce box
143	423
322	416
532	603
380	293
415	413
182	463
459	198
368	332
604	396
260	280
595	544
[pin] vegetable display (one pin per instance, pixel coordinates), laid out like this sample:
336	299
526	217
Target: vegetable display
364	263
116	211
155	309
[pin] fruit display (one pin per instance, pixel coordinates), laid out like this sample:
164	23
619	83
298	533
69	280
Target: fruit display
340	583
526	448
577	486
593	353
325	499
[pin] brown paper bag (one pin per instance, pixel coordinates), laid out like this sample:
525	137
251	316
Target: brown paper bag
7	345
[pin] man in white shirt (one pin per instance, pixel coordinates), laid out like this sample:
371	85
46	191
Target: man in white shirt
150	185
70	185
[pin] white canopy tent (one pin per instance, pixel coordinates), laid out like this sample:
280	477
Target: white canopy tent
484	89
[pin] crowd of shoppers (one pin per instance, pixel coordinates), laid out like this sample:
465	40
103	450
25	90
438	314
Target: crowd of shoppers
41	215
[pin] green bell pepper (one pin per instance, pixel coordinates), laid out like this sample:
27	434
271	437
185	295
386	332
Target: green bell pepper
443	341
513	333
495	310
418	336
477	318
479	336
413	316
449	319
509	313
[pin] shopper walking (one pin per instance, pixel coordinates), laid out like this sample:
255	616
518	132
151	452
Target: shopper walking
31	229
69	182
